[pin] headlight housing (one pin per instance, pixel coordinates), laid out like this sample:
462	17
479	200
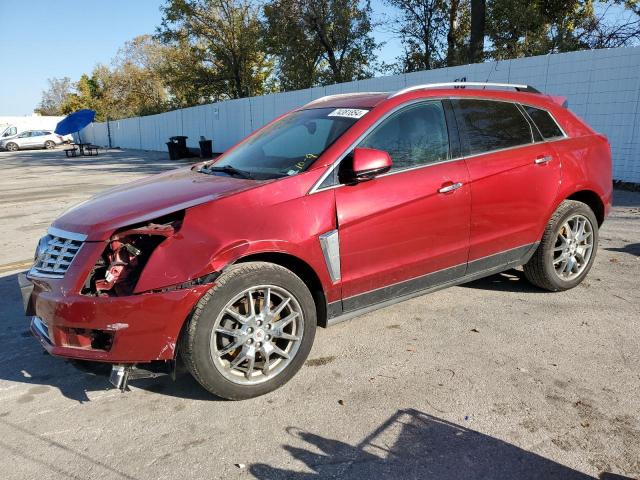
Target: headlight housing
118	269
43	243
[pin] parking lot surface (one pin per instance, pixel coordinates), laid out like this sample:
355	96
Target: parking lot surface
494	379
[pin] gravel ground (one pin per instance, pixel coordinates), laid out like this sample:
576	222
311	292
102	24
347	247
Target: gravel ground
493	379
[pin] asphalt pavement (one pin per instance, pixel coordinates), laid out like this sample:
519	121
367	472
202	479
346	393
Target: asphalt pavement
494	379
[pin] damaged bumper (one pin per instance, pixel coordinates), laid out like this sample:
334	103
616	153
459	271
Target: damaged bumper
132	329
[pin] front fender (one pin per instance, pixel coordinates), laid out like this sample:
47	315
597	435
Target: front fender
217	234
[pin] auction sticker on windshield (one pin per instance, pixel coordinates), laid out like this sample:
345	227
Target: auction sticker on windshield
348	112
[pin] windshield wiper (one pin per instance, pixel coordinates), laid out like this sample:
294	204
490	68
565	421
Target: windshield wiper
229	170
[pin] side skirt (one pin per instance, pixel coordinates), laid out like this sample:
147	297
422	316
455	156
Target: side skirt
369	301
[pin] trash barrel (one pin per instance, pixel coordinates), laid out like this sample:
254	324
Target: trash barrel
174	154
206	149
181	140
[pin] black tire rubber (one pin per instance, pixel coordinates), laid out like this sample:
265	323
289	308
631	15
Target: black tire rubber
194	345
12	147
49	145
539	269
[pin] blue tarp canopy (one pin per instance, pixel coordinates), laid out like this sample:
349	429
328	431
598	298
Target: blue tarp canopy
75	122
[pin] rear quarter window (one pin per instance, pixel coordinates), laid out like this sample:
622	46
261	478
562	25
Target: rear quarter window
544	121
489	125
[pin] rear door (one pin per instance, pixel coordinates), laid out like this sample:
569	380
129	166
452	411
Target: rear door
514	180
38	138
399	233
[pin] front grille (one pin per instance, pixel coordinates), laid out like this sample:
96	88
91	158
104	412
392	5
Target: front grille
54	261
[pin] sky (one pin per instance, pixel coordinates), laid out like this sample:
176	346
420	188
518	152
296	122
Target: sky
42	39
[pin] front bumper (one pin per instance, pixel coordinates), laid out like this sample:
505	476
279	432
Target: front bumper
142	328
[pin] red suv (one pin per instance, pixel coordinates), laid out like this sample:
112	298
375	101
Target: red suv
345	205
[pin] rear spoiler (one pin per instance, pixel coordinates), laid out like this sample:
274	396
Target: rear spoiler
562	101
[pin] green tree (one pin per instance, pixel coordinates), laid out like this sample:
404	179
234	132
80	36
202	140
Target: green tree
188	76
320	42
227	33
459	24
134	86
539	27
623	31
54	97
433	33
422	27
478	27
85	95
298	57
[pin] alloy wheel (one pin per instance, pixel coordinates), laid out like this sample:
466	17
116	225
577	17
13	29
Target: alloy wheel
573	247
257	334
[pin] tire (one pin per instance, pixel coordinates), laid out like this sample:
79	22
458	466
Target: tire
205	340
49	145
11	147
551	267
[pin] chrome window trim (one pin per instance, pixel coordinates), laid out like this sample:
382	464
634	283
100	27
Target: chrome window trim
58	232
529	122
316	186
564	134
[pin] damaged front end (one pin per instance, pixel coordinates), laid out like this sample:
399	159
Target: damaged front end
108	312
118	269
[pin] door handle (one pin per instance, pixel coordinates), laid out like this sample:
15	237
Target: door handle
450	188
543	159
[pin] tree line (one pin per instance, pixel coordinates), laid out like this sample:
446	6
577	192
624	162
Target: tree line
209	50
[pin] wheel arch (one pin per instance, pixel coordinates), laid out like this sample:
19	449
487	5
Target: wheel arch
593	200
302	269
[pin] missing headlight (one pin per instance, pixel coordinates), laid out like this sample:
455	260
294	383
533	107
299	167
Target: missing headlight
119	267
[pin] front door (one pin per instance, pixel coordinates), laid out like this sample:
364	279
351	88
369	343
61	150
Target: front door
24	139
407	230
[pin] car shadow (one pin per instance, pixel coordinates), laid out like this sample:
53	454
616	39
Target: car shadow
631	248
23	360
509	281
424	446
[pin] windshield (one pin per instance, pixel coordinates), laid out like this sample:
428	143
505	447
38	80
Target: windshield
289	146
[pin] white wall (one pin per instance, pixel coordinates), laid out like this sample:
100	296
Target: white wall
602	86
31	122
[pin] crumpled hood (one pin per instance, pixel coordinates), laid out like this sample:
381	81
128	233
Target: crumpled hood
146	199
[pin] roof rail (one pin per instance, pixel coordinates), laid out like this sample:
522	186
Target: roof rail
518	87
338	95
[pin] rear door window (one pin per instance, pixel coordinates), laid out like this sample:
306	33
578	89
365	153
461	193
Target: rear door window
544	121
416	135
489	125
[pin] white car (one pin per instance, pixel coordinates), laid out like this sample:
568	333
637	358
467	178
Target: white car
31	139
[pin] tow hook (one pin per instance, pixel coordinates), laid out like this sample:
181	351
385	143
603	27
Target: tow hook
122	373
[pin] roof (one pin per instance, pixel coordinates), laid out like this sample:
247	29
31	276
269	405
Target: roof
503	91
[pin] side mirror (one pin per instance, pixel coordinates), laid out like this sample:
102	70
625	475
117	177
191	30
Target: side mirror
368	163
